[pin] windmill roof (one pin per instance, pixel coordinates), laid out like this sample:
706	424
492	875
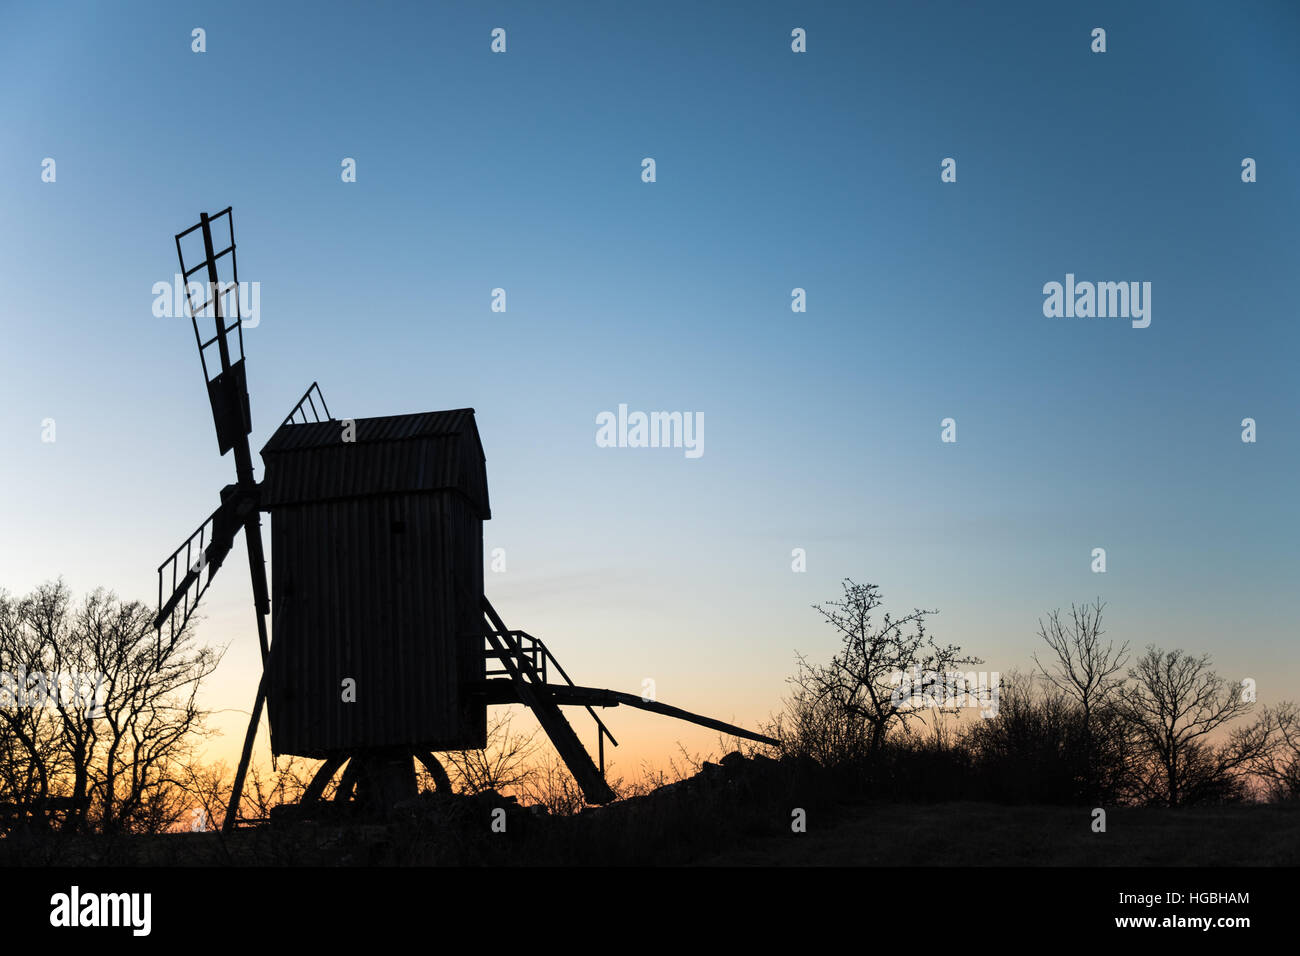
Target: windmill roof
394	454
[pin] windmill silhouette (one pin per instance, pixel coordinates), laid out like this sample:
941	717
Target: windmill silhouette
386	649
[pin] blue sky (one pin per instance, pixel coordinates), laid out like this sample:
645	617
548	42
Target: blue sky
775	170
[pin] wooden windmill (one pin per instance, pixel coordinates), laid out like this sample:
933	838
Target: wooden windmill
386	651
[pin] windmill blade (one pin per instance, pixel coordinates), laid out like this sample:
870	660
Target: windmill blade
228	394
224	372
185	575
189	571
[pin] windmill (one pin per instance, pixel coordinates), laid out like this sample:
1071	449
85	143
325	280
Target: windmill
386	650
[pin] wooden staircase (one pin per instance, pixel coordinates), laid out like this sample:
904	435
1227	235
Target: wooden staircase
528	676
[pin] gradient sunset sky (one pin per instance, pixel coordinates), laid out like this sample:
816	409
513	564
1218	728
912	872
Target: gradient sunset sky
775	170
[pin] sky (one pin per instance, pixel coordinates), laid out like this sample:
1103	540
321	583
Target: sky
774	171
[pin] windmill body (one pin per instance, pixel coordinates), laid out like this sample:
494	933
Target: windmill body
377	577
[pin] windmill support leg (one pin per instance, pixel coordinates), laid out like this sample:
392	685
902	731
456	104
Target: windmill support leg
441	782
386	779
237	790
347	782
319	782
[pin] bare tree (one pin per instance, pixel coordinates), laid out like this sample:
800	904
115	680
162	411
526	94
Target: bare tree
146	725
1276	763
504	765
552	786
207	787
844	710
283	783
32	764
108	712
1175	702
1223	772
1085	669
1021	750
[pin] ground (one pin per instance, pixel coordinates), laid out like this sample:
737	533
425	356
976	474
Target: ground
866	834
979	834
